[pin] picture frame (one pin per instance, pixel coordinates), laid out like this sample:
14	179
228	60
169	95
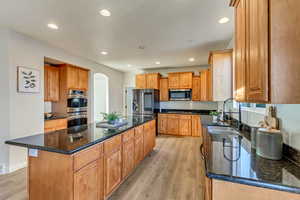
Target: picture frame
28	80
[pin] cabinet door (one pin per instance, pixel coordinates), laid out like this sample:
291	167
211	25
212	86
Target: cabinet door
152	134
128	155
196	90
112	171
206	85
86	182
72	77
152	81
140	81
185	125
139	149
147	138
257	72
83	79
196	126
51	83
164	90
208	188
240	52
162	123
173	80
173	125
186	80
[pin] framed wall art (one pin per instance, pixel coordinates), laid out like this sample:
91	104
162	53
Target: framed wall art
28	80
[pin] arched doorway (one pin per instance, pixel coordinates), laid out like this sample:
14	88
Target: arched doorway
100	96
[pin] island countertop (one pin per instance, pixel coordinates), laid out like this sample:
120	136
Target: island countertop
232	158
72	140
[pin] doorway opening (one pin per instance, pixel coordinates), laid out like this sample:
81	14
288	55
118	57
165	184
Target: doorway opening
100	96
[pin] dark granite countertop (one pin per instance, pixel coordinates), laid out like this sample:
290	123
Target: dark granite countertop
69	141
185	111
231	158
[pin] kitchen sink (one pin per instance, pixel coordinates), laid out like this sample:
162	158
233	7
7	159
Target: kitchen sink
221	130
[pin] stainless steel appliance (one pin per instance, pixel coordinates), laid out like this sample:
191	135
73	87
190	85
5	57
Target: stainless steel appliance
180	95
77	101
145	102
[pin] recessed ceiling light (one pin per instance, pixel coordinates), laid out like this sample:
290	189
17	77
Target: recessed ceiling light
191	59
157	62
53	26
104	53
105	13
223	20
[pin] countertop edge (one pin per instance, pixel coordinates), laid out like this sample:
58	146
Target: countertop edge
250	182
29	146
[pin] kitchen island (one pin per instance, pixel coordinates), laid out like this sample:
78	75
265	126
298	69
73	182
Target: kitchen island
85	162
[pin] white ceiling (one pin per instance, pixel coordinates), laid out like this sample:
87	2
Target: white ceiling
171	30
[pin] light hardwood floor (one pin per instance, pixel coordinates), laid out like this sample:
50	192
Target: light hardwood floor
173	171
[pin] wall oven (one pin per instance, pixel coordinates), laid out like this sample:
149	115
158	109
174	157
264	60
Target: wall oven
180	95
77	101
77	119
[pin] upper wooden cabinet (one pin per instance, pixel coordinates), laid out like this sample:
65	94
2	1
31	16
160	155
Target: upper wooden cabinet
164	90
266	51
221	66
180	80
147	81
76	78
51	83
206	85
196	90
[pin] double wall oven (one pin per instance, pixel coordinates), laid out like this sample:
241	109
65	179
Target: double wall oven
77	104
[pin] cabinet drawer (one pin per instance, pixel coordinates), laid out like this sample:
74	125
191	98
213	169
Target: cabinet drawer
139	131
128	135
86	156
56	124
173	116
185	117
112	144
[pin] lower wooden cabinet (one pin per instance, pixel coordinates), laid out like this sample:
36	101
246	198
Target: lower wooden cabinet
128	153
139	144
86	182
180	125
112	164
148	138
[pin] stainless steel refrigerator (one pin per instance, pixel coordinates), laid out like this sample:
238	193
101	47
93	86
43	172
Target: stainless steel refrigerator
145	101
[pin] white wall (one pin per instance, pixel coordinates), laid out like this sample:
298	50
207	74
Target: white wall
26	110
100	96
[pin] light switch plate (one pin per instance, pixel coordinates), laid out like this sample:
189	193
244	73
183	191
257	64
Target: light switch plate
33	152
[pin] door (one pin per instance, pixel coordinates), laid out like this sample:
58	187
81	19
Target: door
86	182
51	83
206	85
257	72
72	77
128	153
185	125
162	123
196	126
129	100
240	52
173	125
186	80
164	90
152	81
112	170
196	91
147	138
140	81
173	79
139	144
152	134
83	79
148	101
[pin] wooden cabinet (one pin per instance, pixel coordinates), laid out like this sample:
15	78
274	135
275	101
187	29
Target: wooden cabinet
221	66
55	124
180	80
139	144
173	124
51	83
128	153
74	77
164	90
196	89
185	125
140	81
149	137
208	189
86	182
147	81
112	164
163	123
196	126
206	85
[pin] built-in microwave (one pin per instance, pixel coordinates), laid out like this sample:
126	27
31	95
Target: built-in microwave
180	95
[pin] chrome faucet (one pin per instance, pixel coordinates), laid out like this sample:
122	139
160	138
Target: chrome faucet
239	112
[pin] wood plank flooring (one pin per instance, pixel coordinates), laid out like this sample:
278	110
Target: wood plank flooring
173	171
